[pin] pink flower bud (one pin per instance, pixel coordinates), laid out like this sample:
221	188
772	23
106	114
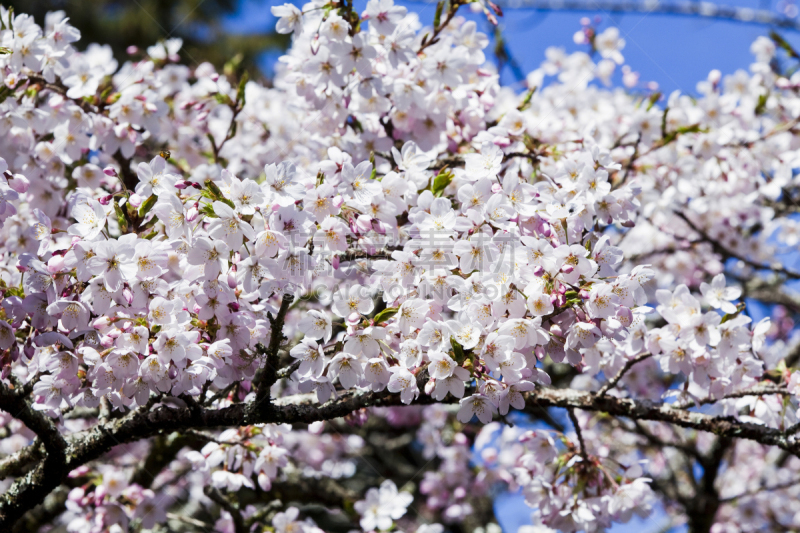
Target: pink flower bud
234	306
106	199
232	277
20	183
538	271
55	264
135	200
554	298
362	224
567	269
584	294
429	386
335	262
132	50
539	351
628	224
181	185
110	171
338	201
191	214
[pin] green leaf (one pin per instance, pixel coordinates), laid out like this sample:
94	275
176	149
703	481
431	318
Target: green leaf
780	41
652	100
240	92
150	223
440	182
122	220
458	350
147	205
437	17
208	211
223	99
527	100
385	315
761	106
4	50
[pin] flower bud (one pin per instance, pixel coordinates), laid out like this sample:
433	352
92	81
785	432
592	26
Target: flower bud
567	269
19	184
110	171
362	224
135	200
429	386
335	262
132	49
55	264
538	271
191	214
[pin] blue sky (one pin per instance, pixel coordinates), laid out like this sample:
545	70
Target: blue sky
674	51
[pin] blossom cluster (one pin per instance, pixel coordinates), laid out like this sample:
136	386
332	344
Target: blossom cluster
390	219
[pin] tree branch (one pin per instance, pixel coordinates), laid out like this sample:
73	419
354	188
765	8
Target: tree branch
146	422
217	497
624	370
269	374
725	252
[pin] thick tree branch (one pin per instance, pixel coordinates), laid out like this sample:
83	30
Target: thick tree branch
269	373
144	422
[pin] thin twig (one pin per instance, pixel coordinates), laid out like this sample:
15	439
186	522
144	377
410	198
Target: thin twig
577	426
613	381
